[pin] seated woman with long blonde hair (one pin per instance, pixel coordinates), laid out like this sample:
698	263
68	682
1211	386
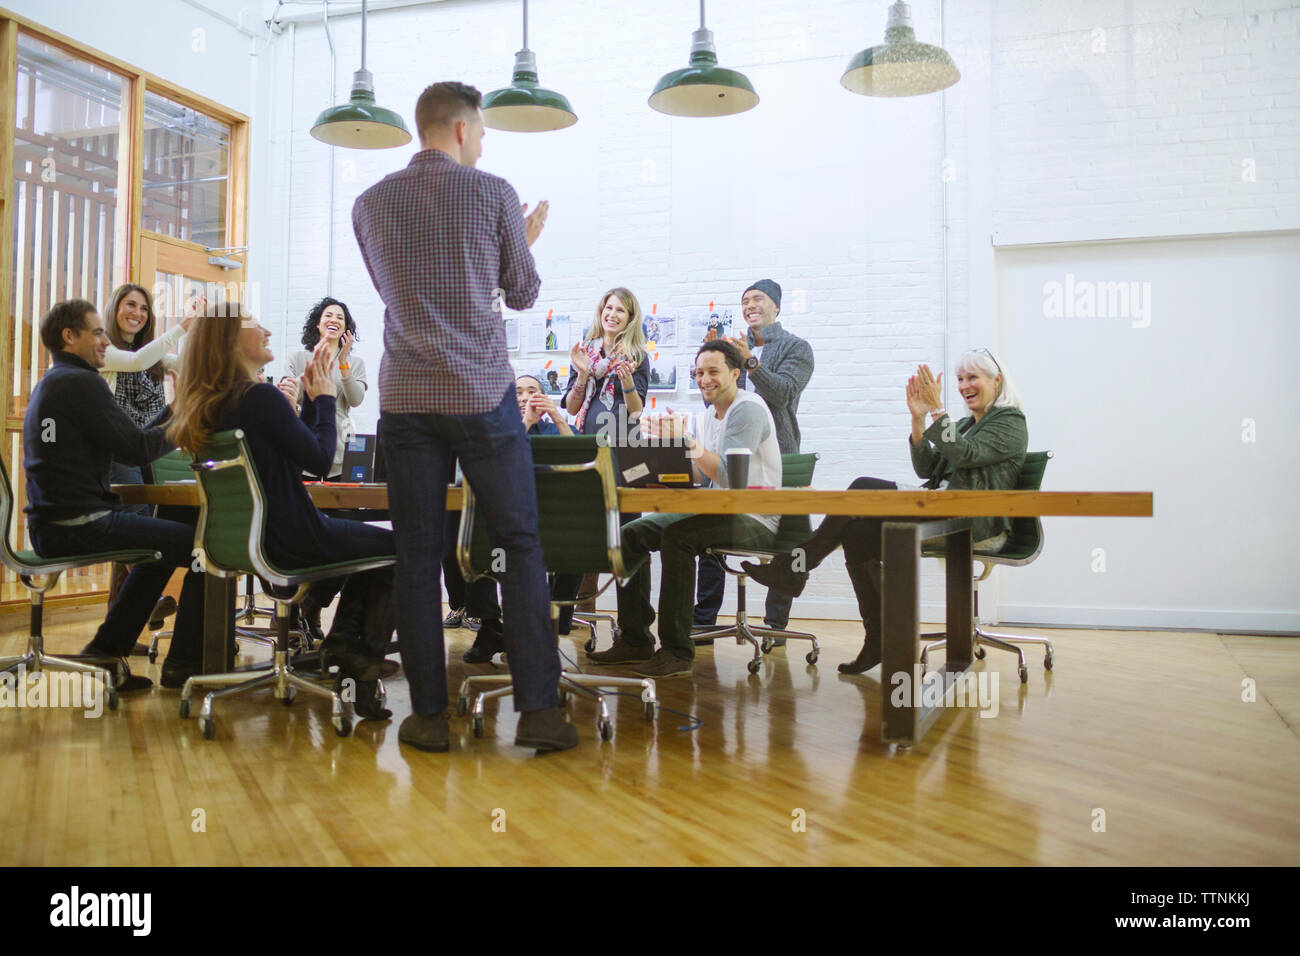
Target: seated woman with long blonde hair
219	391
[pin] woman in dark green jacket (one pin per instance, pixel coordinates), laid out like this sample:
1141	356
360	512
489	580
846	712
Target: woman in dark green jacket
983	451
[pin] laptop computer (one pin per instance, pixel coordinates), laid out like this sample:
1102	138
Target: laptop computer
359	459
644	466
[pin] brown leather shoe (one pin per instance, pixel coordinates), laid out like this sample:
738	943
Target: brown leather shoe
545	730
426	732
622	653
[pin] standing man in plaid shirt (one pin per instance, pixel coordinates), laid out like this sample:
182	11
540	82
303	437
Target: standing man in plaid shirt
442	242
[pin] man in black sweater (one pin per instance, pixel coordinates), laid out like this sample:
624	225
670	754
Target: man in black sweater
72	431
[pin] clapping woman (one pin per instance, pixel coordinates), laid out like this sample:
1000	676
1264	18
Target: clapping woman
329	321
609	370
218	391
982	451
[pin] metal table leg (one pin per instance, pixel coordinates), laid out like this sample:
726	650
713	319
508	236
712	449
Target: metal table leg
218	623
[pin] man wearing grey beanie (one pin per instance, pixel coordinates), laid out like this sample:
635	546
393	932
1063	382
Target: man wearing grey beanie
778	365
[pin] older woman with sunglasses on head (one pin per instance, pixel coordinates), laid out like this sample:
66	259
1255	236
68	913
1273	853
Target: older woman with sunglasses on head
982	451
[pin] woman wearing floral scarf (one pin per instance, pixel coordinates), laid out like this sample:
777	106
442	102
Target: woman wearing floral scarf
609	370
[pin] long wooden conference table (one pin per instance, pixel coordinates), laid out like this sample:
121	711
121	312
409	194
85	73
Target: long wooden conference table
912	517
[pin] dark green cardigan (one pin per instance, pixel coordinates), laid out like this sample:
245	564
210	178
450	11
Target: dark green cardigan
974	456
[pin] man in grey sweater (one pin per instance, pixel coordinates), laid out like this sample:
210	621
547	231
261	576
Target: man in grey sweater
778	365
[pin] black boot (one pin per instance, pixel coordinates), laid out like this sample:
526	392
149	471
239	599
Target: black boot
778	575
867	578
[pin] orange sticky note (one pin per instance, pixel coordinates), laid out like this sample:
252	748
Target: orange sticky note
550	312
548	364
652	401
710	305
654	308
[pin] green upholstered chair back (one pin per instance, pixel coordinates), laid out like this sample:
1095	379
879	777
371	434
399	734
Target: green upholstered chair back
796	472
577	510
173	466
6	514
1025	540
232	515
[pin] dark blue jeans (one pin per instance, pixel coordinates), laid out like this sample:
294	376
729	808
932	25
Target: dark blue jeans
144	585
498	464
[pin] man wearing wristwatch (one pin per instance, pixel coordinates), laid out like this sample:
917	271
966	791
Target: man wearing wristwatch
777	366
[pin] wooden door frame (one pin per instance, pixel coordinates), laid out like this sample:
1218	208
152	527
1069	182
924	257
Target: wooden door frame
127	231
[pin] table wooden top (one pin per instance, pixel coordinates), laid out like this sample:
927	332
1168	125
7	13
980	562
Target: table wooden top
795	501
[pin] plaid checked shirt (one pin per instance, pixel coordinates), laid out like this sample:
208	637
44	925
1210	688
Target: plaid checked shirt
439	239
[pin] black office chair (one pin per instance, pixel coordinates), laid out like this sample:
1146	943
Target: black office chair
1023	546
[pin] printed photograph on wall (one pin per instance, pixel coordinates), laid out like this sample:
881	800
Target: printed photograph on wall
554	378
663	372
660	330
548	333
512	332
707	324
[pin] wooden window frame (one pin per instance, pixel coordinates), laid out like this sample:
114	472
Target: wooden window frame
127	235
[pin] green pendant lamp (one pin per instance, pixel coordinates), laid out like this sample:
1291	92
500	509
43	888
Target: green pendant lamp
703	88
359	123
523	106
900	66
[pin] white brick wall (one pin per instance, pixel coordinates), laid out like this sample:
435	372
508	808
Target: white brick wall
836	195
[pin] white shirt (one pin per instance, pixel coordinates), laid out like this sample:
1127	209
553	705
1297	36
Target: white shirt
747	424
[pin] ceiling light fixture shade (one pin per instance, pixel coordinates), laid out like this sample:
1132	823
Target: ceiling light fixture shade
900	66
524	106
703	88
360	123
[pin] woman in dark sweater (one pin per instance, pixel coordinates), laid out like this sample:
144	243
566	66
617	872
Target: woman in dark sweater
217	392
983	451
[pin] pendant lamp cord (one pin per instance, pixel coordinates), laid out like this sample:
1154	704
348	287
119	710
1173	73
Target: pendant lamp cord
363	34
525	24
701	14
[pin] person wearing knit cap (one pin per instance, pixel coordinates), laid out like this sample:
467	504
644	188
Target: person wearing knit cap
778	365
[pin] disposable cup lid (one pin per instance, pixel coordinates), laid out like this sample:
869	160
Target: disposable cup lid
736	451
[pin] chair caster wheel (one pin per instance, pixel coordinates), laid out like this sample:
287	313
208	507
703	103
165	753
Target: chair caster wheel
606	730
1047	662
289	694
1024	675
754	665
342	725
153	657
209	727
811	657
478	725
462	706
185	708
590	646
111	699
651	707
979	653
767	645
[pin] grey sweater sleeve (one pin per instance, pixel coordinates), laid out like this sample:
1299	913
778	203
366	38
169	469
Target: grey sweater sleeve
781	384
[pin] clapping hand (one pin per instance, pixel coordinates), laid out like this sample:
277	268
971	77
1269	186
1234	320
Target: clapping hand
928	388
578	356
534	224
345	346
624	369
288	386
742	347
670	425
197	306
537	406
318	379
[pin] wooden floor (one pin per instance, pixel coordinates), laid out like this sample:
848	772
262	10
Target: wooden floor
1150	728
